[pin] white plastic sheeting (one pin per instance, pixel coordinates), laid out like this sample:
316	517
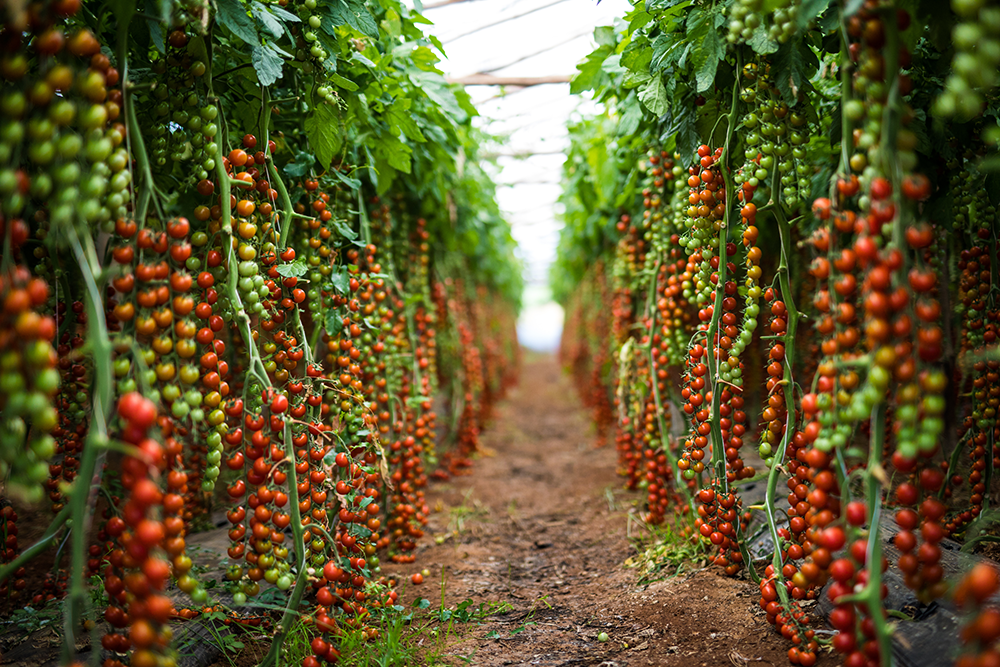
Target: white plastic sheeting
525	38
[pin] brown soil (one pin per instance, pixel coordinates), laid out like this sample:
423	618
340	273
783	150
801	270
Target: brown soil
541	524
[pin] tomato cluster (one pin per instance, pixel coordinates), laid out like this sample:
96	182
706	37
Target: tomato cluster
860	204
29	381
272	350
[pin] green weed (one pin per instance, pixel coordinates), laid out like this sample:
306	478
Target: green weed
663	553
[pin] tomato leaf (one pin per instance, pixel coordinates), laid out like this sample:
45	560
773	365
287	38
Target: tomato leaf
233	15
352	13
631	115
605	35
349	181
791	67
761	43
283	14
654	96
668	50
345	230
344	83
589	71
400	119
333	322
809	10
266	19
267	62
301	164
294	269
707	48
445	96
323	131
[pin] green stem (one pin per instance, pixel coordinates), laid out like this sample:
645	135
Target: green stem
891	113
845	94
80	496
256	366
952	464
272	172
718	446
366	231
872	592
137	146
792	320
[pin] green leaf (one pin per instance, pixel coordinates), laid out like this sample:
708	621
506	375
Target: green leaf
791	67
267	63
809	10
341	282
707	48
322	130
667	50
352	13
283	14
605	35
685	130
344	230
294	269
266	19
761	43
301	164
836	126
654	96
338	80
348	181
590	70
157	13
638	19
400	119
631	115
637	56
233	15
156	35
424	58
396	153
612	65
332	323
437	89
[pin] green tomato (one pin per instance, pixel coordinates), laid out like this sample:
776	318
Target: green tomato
44	448
180	409
171	393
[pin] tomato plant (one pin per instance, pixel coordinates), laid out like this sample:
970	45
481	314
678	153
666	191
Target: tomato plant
248	253
790	211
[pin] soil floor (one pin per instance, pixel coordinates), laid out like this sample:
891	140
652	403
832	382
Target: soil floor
542	524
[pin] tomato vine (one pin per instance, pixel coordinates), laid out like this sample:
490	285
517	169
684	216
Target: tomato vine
830	128
235	233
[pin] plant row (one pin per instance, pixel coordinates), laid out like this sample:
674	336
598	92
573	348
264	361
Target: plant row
780	267
251	272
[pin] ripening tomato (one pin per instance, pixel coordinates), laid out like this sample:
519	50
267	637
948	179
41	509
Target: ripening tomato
138	410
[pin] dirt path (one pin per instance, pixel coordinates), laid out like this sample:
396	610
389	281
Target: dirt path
540	524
